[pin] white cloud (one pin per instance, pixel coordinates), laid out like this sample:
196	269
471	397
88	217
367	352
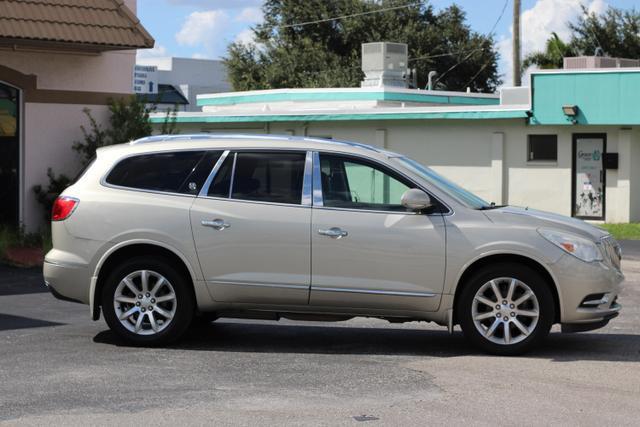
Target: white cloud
245	37
218	4
537	24
158	51
250	15
199	55
202	28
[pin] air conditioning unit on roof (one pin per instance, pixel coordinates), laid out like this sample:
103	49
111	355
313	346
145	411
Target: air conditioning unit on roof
384	64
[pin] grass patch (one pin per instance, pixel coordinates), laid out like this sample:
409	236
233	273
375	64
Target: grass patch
627	231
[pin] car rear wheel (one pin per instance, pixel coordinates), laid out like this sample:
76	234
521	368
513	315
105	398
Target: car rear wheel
506	309
147	302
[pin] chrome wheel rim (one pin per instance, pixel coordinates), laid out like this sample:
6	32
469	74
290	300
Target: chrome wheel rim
145	302
505	311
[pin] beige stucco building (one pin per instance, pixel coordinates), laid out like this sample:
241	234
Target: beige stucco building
569	143
57	58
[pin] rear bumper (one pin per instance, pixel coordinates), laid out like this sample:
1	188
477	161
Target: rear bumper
68	282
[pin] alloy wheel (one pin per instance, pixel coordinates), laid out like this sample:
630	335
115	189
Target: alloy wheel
145	302
505	311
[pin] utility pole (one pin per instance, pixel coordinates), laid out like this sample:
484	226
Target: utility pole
516	43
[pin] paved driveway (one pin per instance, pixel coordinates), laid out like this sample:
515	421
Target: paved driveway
57	366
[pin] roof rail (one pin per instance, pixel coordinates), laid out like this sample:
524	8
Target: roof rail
204	136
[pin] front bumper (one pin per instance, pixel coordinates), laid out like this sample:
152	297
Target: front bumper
578	284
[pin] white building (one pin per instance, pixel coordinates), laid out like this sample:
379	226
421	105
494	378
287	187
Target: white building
566	144
179	80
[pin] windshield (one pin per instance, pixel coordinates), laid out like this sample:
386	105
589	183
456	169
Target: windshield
464	196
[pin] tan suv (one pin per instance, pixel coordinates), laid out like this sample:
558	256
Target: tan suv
169	228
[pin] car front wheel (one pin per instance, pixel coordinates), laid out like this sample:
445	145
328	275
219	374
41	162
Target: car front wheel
147	302
506	309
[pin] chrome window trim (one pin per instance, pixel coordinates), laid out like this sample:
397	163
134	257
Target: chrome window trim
375	292
233	174
318	187
307	184
257	202
207	183
317	180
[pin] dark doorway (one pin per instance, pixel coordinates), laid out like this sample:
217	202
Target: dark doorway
9	154
589	176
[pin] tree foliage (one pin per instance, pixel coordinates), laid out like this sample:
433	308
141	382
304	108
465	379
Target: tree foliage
327	54
614	33
552	57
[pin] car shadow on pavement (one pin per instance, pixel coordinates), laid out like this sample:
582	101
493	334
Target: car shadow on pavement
10	322
18	281
303	339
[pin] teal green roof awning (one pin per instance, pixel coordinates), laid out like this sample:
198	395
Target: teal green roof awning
447	115
315	96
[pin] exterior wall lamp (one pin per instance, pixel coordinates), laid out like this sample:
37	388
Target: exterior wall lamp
571	111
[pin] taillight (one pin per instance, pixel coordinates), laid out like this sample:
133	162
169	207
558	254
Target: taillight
63	207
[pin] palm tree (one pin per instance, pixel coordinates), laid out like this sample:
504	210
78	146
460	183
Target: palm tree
552	57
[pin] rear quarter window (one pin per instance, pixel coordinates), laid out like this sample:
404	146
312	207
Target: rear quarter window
177	172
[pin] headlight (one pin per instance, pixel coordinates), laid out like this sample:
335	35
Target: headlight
581	248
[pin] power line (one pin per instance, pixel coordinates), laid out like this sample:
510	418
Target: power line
353	15
493	29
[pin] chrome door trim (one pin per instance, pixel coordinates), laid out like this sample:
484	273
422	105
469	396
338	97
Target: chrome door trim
262	285
307	181
205	188
317	180
375	292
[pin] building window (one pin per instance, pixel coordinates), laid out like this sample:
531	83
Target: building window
542	148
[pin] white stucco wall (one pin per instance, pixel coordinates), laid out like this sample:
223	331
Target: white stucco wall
50	131
109	72
488	157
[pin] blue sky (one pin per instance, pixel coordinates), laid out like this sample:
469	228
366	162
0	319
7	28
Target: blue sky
203	28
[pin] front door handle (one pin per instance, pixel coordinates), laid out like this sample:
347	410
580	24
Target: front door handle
334	232
218	224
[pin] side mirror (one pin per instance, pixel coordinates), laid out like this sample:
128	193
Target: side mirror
415	199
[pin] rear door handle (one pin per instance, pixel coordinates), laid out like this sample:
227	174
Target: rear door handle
334	232
218	224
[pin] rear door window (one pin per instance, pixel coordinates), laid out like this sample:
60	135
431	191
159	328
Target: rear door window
175	172
274	177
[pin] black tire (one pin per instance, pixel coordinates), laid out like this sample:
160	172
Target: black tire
184	301
524	274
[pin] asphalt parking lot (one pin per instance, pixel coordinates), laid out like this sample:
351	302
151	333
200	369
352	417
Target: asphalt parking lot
59	367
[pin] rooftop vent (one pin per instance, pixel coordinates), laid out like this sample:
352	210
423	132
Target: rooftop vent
384	64
591	62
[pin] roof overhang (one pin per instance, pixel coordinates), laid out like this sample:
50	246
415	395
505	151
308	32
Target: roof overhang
443	113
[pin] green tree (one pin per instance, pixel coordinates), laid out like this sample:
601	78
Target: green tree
552	57
327	54
616	32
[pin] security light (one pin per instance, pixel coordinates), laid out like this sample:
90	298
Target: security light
570	110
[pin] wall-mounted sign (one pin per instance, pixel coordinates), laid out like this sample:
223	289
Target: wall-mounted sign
588	172
145	79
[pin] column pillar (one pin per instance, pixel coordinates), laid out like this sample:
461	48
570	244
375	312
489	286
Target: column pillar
497	167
